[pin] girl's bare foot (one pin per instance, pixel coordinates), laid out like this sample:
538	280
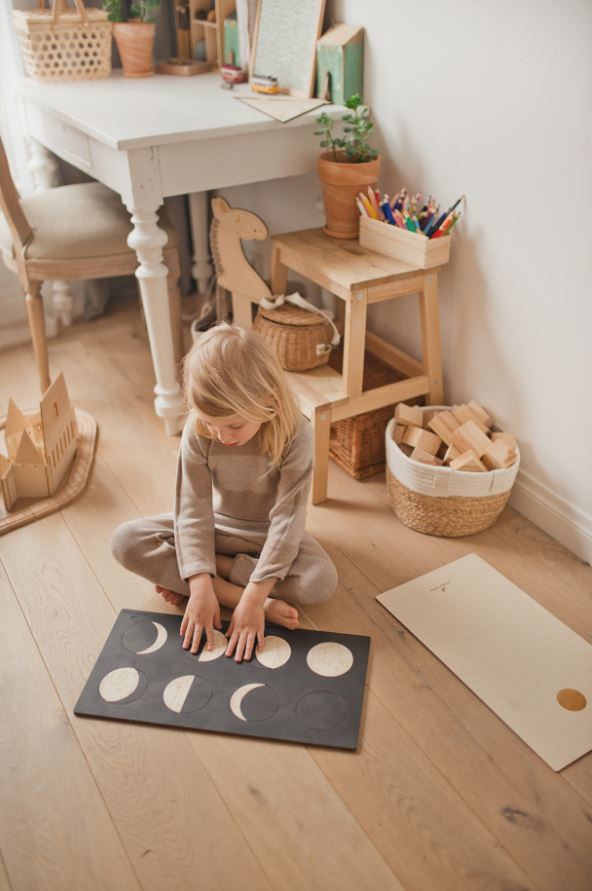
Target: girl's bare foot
281	613
170	596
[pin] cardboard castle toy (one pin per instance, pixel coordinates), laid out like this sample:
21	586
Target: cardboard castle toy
40	446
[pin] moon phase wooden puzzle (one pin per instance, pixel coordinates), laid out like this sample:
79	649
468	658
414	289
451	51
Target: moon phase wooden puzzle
305	686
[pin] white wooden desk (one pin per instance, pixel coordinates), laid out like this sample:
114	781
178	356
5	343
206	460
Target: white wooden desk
151	138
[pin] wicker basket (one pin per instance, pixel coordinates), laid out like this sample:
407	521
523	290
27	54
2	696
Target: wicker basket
301	339
57	45
357	444
443	501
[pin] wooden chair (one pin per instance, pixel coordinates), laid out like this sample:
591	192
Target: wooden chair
72	232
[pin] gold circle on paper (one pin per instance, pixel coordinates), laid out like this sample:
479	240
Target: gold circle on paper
572	700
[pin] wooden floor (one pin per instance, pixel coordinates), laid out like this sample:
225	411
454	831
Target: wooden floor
441	795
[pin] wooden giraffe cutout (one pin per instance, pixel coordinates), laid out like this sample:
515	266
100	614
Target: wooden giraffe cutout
230	227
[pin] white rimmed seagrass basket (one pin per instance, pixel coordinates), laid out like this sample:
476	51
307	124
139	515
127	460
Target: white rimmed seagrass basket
441	500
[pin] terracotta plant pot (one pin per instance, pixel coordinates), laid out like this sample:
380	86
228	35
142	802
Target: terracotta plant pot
341	182
135	42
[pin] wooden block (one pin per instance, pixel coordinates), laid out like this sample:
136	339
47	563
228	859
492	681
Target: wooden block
422	439
463	413
468	437
442	451
429	414
468	461
408	415
425	458
398	433
504	436
499	454
451	453
480	412
444	424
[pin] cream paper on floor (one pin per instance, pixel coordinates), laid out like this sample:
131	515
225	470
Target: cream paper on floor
533	671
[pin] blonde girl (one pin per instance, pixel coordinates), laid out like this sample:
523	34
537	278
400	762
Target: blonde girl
236	537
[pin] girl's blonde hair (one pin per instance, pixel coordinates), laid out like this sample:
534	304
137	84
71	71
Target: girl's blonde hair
230	371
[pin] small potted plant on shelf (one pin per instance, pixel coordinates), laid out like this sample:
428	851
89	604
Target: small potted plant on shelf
134	34
349	166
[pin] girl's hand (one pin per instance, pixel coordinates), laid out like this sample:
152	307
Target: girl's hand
247	624
201	614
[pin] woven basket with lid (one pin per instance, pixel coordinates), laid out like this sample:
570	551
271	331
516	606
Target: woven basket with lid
301	339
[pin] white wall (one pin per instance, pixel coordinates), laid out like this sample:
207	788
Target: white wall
494	100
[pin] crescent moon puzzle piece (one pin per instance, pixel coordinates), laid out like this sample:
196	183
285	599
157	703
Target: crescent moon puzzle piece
140	639
258	706
220	644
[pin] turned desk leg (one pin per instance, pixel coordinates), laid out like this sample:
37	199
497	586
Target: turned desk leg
201	269
354	340
279	272
148	240
321	428
429	313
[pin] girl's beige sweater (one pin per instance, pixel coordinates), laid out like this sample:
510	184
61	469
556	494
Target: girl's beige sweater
238	491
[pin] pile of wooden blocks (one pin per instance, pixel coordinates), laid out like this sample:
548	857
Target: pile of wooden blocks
461	437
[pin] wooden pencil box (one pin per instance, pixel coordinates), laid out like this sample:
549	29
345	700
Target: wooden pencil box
408	247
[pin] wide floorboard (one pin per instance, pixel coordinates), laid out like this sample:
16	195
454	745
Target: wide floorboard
440	796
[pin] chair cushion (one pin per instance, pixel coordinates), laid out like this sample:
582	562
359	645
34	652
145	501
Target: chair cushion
73	222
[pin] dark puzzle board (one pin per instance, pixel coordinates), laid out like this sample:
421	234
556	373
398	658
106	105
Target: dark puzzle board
306	686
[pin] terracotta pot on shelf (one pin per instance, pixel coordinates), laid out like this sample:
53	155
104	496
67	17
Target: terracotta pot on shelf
135	42
341	181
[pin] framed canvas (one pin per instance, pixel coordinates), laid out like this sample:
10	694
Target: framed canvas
285	40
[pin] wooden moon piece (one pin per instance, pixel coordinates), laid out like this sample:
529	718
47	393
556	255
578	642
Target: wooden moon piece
119	684
186	694
260	707
220	645
237	697
329	659
140	640
175	692
275	653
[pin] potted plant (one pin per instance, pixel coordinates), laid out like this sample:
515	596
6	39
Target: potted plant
349	166
134	34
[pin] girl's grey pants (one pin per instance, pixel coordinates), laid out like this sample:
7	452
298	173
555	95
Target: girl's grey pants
147	547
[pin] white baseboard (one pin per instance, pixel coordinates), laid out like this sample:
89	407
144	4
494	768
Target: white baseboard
553	514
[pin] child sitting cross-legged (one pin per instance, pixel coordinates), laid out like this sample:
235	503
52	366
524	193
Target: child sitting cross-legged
237	535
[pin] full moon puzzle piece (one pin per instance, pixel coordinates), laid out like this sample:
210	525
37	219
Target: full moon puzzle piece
306	686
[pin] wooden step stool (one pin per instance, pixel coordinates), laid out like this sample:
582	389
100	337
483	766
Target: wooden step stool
358	277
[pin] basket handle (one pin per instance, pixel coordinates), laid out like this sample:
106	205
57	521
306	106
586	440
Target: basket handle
297	300
57	11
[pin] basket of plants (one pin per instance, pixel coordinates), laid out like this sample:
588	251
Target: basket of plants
450	471
301	334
